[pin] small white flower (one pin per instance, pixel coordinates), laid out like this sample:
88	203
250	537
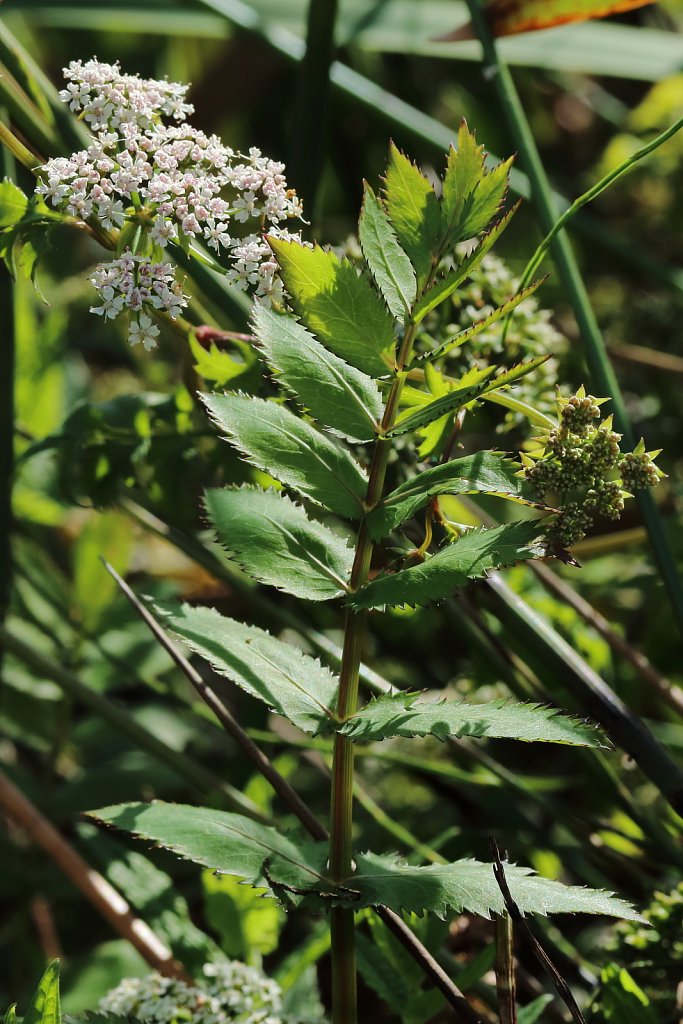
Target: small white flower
143	331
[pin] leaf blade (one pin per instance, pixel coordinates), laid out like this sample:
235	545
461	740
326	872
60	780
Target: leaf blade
471	557
278	442
463	336
219	840
470	885
447	403
403	715
288	681
276	543
337	394
389	264
339	306
413	211
484	473
447	284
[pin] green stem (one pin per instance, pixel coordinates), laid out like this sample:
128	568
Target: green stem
599	366
341	820
588	197
18	150
7	361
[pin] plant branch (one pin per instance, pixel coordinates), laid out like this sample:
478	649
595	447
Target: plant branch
96	889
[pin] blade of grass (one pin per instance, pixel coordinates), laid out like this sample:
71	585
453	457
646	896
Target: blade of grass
311	108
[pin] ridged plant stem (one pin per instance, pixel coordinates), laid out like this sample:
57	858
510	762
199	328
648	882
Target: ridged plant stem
599	366
344	1003
7	361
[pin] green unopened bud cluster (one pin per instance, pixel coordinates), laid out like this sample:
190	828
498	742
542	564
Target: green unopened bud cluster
229	991
580	470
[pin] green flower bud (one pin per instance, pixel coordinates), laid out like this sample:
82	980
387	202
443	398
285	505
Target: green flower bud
605	499
571	525
579	413
638	471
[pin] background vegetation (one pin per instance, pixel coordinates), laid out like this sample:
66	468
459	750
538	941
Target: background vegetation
112	455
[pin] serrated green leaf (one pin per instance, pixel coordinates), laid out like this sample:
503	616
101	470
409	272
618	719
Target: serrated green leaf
390	266
447	284
469	885
516	372
413	210
471	195
464	886
403	714
448	403
338	305
13	204
470	557
45	1005
275	440
337	394
276	543
288	681
219	840
463	336
484	473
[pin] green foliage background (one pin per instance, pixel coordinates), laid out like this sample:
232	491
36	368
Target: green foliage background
113	455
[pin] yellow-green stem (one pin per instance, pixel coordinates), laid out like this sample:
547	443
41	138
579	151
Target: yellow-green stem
344	1009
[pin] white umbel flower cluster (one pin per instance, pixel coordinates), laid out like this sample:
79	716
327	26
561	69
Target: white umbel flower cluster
164	183
229	992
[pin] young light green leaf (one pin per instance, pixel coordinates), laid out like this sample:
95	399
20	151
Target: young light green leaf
472	556
484	473
471	195
413	210
13	204
288	681
447	284
334	392
275	440
470	886
338	305
403	714
276	543
448	403
45	1005
463	336
225	842
390	266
